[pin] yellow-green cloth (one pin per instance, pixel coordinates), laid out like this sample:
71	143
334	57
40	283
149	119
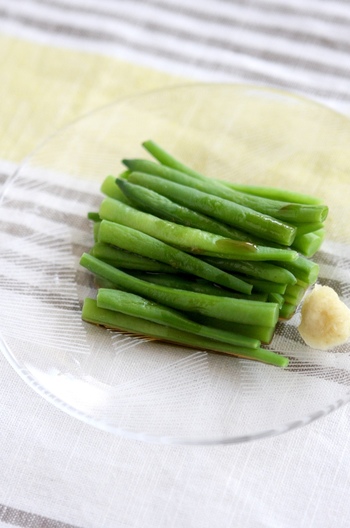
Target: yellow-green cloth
45	87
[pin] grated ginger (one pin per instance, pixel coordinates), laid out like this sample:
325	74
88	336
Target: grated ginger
325	319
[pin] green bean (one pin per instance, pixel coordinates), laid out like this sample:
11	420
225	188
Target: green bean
303	269
196	285
147	246
303	229
282	210
111	189
309	243
294	293
276	298
262	333
266	192
183	237
92	314
125	259
275	193
93	216
227	308
261	285
96	230
226	211
294	300
259	270
168	160
187	238
155	203
288	310
131	304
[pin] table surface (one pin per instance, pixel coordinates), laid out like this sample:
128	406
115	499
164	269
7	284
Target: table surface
59	60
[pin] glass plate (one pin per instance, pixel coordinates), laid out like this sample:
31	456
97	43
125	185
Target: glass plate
149	390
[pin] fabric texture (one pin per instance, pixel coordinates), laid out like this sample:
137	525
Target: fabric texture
60	60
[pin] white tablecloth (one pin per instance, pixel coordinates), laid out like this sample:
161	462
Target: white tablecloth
60	59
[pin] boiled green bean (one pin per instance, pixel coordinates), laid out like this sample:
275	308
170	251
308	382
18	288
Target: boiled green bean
227	308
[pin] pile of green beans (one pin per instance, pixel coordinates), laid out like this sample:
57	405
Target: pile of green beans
199	262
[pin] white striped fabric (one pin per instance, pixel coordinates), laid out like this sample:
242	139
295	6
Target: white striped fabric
56	472
303	46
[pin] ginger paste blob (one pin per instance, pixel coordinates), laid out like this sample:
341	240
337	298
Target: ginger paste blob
325	319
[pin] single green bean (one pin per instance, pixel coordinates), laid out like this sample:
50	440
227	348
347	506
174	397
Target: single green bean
196	285
187	238
165	158
285	211
275	193
94	217
127	260
228	308
96	230
260	285
155	203
295	289
131	304
309	243
262	333
303	229
259	270
168	160
226	211
294	300
294	293
147	246
303	269
287	311
92	314
276	298
111	189
183	237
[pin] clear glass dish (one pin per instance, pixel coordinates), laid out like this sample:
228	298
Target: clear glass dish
148	390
